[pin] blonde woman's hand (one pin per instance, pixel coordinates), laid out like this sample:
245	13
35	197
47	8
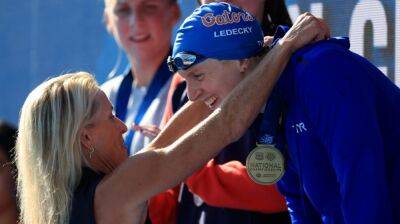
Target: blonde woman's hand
306	29
150	131
268	40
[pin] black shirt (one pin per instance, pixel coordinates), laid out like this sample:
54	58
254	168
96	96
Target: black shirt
83	201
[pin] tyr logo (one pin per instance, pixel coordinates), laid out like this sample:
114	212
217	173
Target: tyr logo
300	127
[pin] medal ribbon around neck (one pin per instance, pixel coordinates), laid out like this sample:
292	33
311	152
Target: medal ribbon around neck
265	163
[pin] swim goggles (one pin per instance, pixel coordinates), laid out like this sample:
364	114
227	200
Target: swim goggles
183	61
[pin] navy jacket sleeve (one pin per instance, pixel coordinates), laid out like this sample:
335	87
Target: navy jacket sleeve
300	208
336	90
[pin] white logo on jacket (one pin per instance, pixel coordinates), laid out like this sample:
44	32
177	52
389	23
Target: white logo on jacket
300	127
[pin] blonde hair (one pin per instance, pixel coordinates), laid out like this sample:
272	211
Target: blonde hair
48	150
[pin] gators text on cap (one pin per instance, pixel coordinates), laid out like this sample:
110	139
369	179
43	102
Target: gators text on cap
219	31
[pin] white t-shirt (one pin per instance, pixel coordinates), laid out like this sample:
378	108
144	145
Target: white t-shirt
153	115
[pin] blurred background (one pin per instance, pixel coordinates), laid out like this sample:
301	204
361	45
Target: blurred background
43	38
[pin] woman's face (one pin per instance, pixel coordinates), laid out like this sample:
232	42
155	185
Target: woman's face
104	135
6	182
212	80
143	28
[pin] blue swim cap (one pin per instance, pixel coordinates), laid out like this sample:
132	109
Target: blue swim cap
219	31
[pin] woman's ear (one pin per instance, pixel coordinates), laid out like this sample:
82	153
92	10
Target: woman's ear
85	138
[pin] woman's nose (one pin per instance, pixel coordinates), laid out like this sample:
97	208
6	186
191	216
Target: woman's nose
192	92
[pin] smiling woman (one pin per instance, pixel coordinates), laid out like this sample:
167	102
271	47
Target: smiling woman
142	27
232	48
311	121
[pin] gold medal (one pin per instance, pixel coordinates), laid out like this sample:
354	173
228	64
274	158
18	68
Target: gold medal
265	164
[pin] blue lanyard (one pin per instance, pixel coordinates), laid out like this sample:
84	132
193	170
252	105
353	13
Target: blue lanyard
279	33
268	131
160	78
269	128
123	94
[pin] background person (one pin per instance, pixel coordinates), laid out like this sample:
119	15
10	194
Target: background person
8	202
270	13
143	29
340	116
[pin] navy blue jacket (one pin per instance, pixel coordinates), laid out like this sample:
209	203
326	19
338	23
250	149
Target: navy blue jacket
342	128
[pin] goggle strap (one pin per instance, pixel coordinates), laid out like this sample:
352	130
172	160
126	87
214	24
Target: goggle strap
171	65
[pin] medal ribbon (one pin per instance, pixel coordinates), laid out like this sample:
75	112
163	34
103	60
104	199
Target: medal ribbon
268	131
